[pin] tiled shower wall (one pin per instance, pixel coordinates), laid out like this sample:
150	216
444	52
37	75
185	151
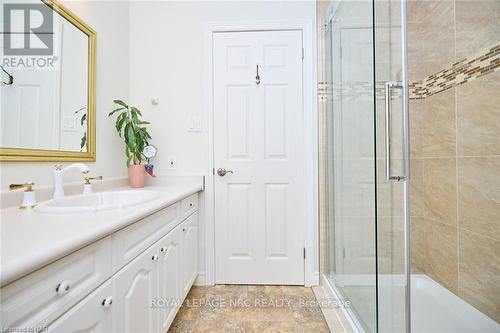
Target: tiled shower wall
455	148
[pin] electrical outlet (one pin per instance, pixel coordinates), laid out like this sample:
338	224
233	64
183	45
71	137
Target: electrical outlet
172	162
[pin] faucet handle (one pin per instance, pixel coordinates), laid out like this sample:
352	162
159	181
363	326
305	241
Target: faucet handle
28	187
58	167
88	179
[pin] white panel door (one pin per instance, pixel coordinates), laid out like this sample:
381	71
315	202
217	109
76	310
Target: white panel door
29	110
134	287
258	135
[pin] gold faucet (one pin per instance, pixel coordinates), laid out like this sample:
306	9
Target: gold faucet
29	198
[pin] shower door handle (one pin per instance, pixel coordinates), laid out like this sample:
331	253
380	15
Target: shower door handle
387	135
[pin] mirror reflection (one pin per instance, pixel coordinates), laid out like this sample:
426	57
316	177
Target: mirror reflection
44	98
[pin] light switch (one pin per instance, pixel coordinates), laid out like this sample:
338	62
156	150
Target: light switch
69	123
194	124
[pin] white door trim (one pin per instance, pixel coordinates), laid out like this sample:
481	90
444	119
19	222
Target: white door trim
311	228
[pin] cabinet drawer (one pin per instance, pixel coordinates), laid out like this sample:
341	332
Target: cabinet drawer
42	296
131	241
92	314
189	205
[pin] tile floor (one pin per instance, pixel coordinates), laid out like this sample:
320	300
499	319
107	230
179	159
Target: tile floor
249	309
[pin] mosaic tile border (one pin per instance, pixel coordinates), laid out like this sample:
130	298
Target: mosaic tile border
473	67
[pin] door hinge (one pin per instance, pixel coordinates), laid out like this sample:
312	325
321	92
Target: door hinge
304	253
303	53
213	171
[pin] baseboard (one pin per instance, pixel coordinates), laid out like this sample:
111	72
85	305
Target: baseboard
200	280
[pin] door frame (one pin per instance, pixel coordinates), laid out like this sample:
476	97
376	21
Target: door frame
309	92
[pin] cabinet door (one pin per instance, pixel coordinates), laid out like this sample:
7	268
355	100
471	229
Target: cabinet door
169	279
92	314
134	288
189	265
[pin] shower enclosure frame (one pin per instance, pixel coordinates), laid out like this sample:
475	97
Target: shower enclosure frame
404	177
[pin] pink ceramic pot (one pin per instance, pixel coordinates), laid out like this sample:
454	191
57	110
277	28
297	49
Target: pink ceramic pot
136	176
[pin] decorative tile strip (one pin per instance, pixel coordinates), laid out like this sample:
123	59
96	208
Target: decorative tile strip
473	67
480	64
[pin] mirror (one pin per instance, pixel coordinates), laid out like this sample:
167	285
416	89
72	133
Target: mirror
47	103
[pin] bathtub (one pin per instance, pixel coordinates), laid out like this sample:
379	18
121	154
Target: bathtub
435	309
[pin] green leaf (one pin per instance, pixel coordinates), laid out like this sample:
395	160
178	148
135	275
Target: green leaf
143	123
84	140
114	111
84	117
120	102
134	109
130	135
119	123
135	117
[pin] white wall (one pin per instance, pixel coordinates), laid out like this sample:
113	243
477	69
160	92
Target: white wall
111	21
167	61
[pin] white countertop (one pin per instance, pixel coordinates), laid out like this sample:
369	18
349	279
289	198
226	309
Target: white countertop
30	240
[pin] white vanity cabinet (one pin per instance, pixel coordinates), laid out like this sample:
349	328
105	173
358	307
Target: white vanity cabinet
189	229
92	314
40	297
169	278
133	280
133	289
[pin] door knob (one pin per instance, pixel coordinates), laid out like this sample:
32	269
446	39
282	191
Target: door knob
222	172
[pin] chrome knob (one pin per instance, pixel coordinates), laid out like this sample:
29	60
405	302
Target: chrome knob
155	257
222	172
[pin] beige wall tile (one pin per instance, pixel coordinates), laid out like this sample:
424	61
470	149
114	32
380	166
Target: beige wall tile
416	126
390	245
438	34
415	50
479	273
441	254
418	245
439	125
440	190
477	25
420	9
478	111
478	195
416	187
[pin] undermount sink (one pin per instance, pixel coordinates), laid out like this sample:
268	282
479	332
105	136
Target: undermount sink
95	202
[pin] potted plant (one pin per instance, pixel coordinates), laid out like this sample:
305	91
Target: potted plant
130	127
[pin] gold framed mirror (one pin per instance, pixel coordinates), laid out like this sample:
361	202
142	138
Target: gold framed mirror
47	96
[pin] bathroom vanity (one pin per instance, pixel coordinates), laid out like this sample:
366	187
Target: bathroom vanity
120	270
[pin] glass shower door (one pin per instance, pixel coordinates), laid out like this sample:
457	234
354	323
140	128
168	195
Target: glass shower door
392	156
351	159
367	162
